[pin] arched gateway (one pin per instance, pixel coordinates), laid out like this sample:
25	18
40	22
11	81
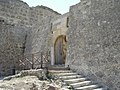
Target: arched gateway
59	42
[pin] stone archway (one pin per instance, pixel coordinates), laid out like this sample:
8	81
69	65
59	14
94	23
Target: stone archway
60	49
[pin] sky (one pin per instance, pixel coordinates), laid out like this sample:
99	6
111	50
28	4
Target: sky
61	6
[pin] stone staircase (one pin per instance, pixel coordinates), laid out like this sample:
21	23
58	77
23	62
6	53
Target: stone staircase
76	81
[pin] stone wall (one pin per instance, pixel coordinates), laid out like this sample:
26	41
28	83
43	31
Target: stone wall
40	35
94	41
29	29
41	27
38	14
19	12
12	43
15	11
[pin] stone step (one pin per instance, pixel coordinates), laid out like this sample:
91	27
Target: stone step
59	65
66	74
80	84
99	89
59	71
90	87
70	77
57	68
74	80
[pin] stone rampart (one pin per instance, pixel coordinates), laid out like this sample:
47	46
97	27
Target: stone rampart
94	41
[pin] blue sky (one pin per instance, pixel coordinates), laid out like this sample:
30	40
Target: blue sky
61	6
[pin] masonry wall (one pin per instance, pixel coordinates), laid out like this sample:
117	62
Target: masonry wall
40	36
19	12
38	14
29	29
15	11
94	41
41	27
12	41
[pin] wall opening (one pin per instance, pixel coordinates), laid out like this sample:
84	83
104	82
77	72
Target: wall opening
60	49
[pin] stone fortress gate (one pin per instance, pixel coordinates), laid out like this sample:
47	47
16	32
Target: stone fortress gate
59	40
90	45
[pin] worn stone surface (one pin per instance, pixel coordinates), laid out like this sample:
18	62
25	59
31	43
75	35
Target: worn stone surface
32	80
94	41
39	38
15	11
24	30
19	12
40	73
24	83
12	39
